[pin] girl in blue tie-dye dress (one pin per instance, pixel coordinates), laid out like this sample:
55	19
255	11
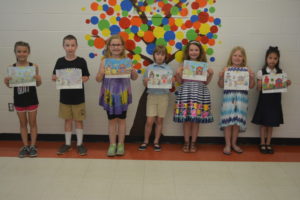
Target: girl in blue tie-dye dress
235	102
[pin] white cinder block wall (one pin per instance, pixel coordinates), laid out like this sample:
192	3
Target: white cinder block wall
254	24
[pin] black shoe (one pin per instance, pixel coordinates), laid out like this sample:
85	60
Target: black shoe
63	149
24	151
157	147
263	148
33	151
81	150
143	146
269	149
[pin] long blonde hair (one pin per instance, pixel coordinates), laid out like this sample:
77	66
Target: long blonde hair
108	41
243	52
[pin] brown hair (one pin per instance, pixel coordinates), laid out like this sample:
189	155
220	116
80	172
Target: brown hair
160	49
107	53
70	37
202	55
23	44
243	52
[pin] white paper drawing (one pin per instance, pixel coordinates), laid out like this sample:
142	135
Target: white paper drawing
193	70
160	79
22	76
274	83
70	78
236	80
117	68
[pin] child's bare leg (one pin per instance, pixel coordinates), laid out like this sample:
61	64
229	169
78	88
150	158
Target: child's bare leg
23	127
68	125
148	128
195	131
187	129
112	131
263	133
269	134
79	124
158	129
121	130
269	131
33	126
235	135
227	134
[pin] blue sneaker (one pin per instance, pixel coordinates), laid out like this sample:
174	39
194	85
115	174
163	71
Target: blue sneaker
33	151
24	151
63	149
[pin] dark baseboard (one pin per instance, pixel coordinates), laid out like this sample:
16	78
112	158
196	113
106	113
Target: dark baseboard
164	139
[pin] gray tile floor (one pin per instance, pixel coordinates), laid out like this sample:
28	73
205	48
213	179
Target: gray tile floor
97	179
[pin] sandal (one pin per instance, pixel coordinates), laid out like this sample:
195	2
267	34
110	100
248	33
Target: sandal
186	147
237	149
143	146
193	147
263	148
227	153
269	149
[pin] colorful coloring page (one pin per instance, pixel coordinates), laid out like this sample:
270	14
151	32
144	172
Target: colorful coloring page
236	80
274	83
70	78
22	76
193	70
161	79
117	68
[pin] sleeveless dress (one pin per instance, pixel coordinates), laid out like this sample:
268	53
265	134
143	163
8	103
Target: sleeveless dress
115	94
269	109
25	95
193	103
235	106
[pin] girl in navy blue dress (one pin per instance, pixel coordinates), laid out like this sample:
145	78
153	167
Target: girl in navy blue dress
268	113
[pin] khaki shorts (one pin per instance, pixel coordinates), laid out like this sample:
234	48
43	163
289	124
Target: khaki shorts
157	105
75	112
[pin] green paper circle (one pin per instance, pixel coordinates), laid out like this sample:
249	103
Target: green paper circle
137	50
209	51
191	34
91	43
144	27
103	24
212	9
161	41
156	20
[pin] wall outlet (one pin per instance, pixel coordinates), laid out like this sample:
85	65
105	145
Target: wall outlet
11	107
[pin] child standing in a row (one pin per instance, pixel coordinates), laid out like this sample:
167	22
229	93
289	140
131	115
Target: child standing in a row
115	95
72	101
268	113
26	101
157	99
235	102
193	105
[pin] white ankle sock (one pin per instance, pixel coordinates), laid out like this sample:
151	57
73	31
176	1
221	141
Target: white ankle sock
79	134
68	136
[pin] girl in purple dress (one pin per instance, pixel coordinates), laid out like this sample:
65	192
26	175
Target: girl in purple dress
115	94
